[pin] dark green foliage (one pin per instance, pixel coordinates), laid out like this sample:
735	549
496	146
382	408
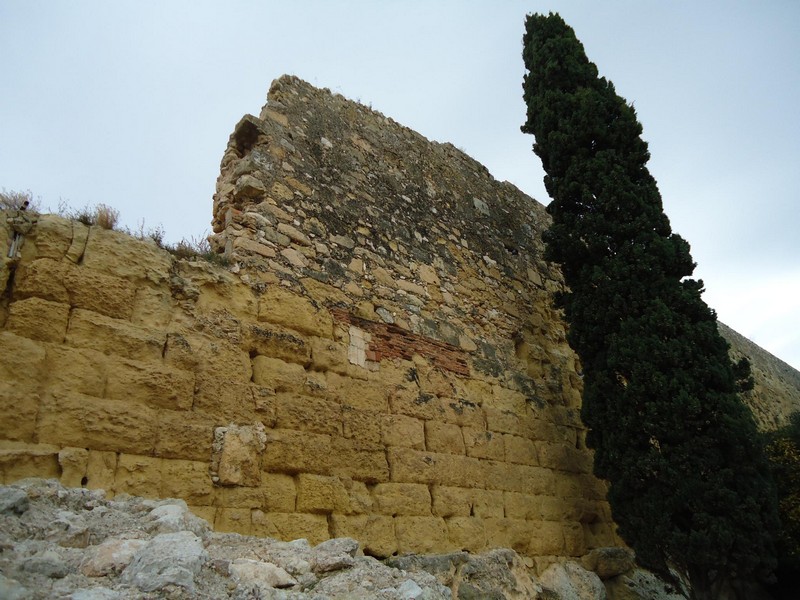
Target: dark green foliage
687	473
784	454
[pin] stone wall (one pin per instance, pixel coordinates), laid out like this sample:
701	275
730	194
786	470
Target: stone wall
380	358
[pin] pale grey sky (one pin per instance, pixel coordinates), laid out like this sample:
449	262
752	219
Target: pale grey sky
131	103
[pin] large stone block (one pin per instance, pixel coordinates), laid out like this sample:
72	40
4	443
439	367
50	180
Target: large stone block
20	460
520	450
75	370
278	374
520	478
402	499
153	307
443	437
293	526
546	539
288	309
234	520
236	455
376	533
101	293
303	413
524	506
360	462
88	329
403	431
18	410
38	319
481	443
150	383
122	255
43	278
22	362
413	466
280	492
357	393
100	468
73	463
293	452
451	501
362	425
51	236
509	533
487	504
184	435
466	533
421	535
188	480
276	342
138	475
319	493
72	419
223	399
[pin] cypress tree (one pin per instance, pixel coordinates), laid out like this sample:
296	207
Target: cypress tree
689	485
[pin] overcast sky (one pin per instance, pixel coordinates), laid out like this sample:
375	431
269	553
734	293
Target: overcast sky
131	103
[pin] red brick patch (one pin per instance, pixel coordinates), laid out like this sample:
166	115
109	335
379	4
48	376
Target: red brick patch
391	341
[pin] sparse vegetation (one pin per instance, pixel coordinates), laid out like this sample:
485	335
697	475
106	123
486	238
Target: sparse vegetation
13	200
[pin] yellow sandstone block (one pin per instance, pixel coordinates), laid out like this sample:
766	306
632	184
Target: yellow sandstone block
22	362
357	393
95	291
421	535
100	469
277	374
75	370
233	520
280	493
288	309
546	539
375	533
443	437
509	533
71	419
43	278
520	450
293	452
405	499
123	256
303	413
88	329
362	425
150	383
188	480
138	475
466	533
19	460
484	444
18	410
520	478
38	319
51	237
293	526
402	431
351	459
451	501
73	463
184	435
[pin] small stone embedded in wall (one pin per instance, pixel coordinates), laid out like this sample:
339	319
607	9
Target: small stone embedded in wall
236	455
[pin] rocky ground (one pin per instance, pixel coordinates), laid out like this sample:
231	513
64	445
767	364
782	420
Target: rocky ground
57	542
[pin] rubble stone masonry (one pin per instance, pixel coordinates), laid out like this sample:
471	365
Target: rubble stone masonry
380	359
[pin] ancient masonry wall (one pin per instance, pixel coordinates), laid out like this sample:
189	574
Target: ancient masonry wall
380	358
